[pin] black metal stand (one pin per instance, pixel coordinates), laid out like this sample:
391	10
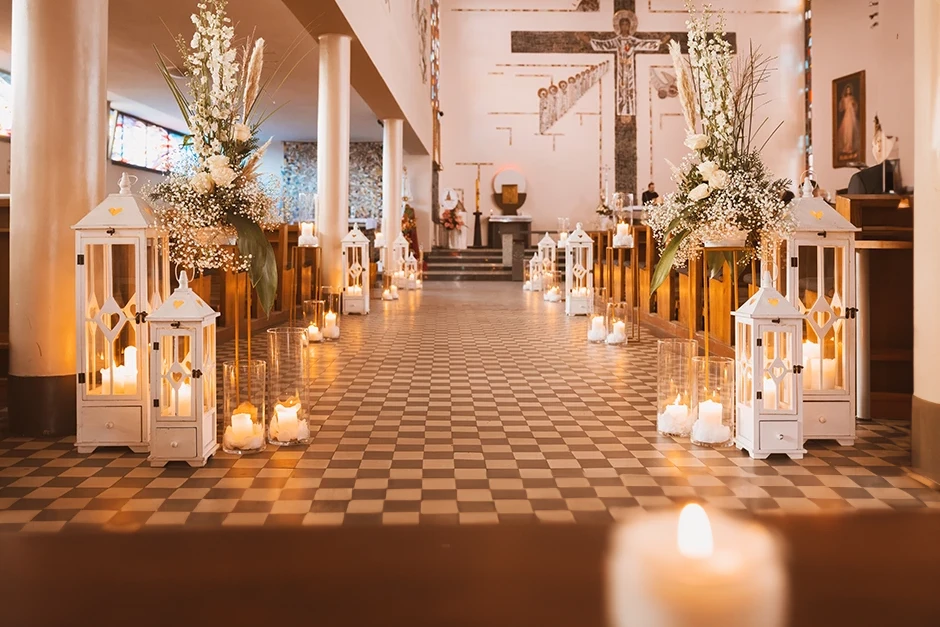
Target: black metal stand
477	234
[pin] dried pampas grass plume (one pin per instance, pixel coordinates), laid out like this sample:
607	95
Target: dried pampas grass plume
253	78
250	171
684	83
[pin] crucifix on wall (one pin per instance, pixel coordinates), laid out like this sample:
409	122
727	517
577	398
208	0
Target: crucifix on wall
625	42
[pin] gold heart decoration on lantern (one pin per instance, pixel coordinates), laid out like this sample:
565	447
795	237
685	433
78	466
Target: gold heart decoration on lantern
773	301
115	210
177	304
817	214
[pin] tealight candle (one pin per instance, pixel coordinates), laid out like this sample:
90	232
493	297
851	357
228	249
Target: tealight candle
693	569
674	420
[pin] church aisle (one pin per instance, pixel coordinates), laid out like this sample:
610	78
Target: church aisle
462	403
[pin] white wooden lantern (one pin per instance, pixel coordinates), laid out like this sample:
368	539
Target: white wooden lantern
536	273
183	379
548	251
579	273
768	383
355	272
411	272
821	285
399	258
122	273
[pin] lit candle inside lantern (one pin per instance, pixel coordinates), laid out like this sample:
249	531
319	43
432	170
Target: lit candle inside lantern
313	333
354	290
118	380
674	420
130	370
769	396
598	330
106	381
185	397
330	328
695	569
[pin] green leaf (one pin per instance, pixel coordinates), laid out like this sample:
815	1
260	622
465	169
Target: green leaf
664	265
716	262
263	268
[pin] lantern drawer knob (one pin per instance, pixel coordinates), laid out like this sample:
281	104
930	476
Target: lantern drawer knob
174	444
780	436
822	419
110	425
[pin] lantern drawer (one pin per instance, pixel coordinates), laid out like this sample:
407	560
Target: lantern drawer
106	425
779	435
174	443
832	419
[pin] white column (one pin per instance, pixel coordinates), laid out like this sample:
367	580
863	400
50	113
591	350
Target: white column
926	403
392	162
58	159
333	153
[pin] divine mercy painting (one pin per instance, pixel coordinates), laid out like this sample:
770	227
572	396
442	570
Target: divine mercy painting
848	121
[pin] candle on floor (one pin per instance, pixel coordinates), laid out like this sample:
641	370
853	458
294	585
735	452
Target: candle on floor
695	569
619	333
709	428
675	419
287	424
527	286
598	330
330	328
387	294
313	333
242	427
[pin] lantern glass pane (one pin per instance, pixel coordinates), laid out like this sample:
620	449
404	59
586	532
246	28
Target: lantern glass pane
745	364
208	368
158	281
175	369
777	390
830	320
110	307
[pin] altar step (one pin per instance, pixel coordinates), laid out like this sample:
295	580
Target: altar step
472	264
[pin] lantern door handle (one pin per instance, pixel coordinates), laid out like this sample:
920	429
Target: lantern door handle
110	425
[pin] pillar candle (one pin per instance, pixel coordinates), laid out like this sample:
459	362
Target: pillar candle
313	333
185	397
288	426
674	418
710	412
330	328
695	569
242	428
598	330
623	229
769	396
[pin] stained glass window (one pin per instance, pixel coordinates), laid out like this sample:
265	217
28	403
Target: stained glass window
142	144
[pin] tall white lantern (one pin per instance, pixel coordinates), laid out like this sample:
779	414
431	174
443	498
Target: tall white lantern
411	272
122	273
821	285
548	251
579	273
768	382
536	273
183	379
399	258
355	272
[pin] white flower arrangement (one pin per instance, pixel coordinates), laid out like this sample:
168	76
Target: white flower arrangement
216	194
722	185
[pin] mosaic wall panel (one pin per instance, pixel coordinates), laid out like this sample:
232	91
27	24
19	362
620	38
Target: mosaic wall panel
299	175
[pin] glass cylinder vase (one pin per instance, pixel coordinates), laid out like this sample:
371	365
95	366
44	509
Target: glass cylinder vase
616	320
597	330
331	312
713	401
243	409
313	320
674	386
552	286
288	397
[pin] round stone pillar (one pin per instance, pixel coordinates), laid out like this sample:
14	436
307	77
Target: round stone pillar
392	162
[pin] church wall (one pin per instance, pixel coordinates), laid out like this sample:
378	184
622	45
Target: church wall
395	35
844	43
489	96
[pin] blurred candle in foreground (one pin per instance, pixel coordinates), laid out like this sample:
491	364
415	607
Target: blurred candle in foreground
695	569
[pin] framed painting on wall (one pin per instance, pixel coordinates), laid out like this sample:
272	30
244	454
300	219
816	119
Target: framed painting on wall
848	121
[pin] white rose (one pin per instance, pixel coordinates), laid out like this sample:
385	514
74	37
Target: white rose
696	142
719	179
700	192
217	161
202	183
707	169
223	177
241	132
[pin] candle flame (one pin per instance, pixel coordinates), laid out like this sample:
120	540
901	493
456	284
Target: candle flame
694	537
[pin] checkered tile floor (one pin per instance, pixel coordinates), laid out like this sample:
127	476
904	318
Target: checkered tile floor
472	403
